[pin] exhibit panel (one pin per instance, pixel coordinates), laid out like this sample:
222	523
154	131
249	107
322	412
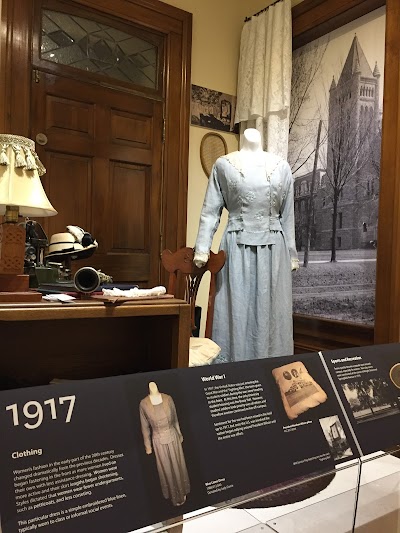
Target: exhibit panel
272	439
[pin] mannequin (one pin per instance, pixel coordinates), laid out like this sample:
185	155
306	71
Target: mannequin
253	306
250	152
161	433
251	149
154	394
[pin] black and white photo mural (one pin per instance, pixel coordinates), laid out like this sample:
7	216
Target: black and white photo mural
334	153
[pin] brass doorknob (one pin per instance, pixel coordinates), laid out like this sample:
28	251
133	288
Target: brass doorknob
41	139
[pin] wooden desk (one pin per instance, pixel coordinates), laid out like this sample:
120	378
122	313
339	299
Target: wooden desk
88	339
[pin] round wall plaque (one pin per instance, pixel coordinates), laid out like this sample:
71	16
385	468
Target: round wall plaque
395	374
212	146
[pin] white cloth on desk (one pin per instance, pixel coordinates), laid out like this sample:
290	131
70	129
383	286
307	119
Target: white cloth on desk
135	292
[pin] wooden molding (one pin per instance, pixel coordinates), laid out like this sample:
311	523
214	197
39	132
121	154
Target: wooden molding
315	18
314	334
4	40
152	14
15	61
387	322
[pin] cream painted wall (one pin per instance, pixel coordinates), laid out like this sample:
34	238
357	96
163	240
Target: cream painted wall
216	37
217	25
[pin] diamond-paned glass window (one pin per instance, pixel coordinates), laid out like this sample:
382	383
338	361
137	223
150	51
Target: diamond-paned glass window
94	47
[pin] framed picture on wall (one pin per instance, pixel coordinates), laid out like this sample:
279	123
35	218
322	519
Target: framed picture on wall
334	152
366	305
213	109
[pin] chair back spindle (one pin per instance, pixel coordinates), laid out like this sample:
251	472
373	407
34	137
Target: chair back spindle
182	262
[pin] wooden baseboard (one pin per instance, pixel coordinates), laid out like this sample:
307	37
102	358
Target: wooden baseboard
313	334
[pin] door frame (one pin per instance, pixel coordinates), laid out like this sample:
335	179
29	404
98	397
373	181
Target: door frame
17	18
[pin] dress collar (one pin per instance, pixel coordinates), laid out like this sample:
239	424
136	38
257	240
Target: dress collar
271	163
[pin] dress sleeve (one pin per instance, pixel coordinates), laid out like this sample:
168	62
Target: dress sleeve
210	214
174	416
287	214
145	428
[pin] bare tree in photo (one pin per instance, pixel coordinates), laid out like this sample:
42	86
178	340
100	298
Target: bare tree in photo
346	153
370	397
302	132
310	213
364	391
302	145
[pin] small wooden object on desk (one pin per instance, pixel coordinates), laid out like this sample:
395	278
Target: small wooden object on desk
14	285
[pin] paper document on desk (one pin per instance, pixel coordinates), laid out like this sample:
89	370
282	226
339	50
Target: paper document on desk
58	298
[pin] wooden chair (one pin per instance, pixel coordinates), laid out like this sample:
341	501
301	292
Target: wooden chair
182	262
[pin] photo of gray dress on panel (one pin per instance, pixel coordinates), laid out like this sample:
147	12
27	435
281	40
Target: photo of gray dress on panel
161	433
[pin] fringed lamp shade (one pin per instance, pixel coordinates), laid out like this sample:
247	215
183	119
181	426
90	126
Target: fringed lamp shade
20	184
21	194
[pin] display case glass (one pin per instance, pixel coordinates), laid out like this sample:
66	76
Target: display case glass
360	495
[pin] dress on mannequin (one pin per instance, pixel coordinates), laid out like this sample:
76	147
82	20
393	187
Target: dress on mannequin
161	433
253	304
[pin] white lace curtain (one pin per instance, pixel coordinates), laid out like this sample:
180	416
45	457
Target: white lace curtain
264	77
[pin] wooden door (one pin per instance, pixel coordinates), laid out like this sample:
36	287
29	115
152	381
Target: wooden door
97	98
105	127
103	158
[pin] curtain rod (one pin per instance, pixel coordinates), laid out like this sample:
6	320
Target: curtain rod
262	10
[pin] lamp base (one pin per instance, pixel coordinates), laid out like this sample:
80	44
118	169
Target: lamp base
16	289
12	249
14	286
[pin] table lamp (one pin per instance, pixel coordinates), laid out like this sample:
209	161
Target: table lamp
21	194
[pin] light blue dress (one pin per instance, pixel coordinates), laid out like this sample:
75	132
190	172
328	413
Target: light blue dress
253	304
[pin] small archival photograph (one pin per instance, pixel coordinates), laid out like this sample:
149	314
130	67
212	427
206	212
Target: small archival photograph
213	109
370	399
335	435
300	389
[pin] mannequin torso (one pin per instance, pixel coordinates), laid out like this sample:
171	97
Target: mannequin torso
251	155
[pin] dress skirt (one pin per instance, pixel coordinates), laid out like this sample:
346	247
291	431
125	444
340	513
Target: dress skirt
171	466
253	303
